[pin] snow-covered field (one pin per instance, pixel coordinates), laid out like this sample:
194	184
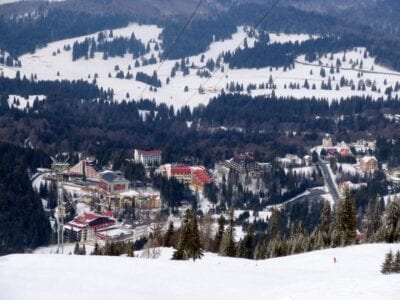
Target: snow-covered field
60	66
356	275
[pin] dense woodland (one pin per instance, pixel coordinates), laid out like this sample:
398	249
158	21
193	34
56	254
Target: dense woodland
107	129
264	54
109	47
23	223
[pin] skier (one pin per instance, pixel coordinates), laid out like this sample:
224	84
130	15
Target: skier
334	260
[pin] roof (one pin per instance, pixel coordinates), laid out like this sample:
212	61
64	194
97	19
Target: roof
202	176
111	177
86	218
368	158
181	170
150	152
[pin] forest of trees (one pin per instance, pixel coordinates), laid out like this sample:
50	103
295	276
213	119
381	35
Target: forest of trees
107	129
117	46
150	80
23	223
264	54
52	25
335	228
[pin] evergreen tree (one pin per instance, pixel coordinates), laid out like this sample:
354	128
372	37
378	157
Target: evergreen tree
374	219
274	224
326	217
189	246
195	251
261	249
393	222
248	242
220	233
345	220
228	247
241	249
396	263
387	264
169	235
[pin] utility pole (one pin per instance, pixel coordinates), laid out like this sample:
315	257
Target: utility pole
60	217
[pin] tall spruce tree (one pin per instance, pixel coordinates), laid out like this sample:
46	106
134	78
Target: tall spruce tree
346	220
393	222
248	242
169	235
228	247
396	263
220	233
189	246
374	219
261	249
387	264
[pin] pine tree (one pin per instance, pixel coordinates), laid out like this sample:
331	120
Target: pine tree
261	249
189	245
248	242
393	222
274	224
345	220
220	233
168	235
228	247
387	264
195	251
326	217
396	263
241	249
374	219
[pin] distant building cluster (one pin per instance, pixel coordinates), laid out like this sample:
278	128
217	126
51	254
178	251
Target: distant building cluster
96	228
194	176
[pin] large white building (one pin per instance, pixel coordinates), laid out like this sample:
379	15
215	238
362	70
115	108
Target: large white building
148	158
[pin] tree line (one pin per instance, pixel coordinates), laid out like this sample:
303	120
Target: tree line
23	223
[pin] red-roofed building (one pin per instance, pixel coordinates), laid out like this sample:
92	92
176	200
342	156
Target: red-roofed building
148	158
200	178
182	174
85	225
195	176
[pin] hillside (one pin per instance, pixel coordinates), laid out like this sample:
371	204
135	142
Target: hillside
308	276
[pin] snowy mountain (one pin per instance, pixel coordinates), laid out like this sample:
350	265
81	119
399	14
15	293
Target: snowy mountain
356	275
55	62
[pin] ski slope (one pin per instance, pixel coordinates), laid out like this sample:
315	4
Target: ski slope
48	64
356	275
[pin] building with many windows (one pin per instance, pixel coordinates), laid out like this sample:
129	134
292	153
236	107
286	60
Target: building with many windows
85	226
194	176
148	158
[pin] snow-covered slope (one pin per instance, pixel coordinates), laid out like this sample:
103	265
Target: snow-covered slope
308	276
53	62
